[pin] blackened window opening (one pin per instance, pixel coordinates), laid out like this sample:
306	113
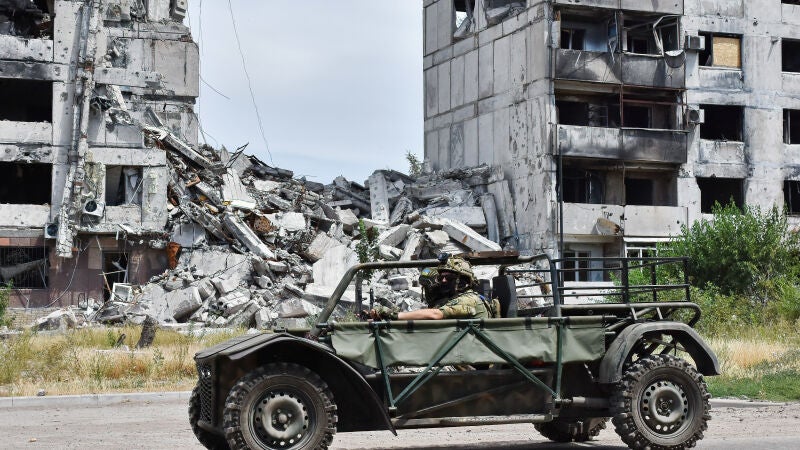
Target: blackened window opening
723	123
26	100
115	270
123	185
639	191
636	116
572	113
790	53
24	267
573	38
720	191
25	184
791	126
791	196
582	186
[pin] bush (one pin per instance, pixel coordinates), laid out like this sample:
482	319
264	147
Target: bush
4	291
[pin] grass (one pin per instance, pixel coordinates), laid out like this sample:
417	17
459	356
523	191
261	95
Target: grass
759	363
85	362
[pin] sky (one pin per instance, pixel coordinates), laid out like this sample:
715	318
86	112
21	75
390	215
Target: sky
338	84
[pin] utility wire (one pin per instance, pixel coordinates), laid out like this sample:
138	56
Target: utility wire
249	82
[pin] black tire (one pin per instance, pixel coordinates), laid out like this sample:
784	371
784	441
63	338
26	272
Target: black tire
297	403
209	440
572	430
677	392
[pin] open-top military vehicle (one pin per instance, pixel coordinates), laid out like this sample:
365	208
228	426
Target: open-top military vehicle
565	367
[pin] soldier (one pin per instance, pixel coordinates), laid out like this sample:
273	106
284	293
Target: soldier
451	296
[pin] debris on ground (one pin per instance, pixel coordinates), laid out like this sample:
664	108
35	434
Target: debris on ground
250	245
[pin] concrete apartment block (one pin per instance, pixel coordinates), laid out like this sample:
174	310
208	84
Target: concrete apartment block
83	192
616	121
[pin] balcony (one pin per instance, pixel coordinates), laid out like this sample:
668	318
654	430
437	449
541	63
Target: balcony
628	144
791	82
24	216
659	6
582	219
627	68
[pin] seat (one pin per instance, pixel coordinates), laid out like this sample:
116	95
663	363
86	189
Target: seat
505	290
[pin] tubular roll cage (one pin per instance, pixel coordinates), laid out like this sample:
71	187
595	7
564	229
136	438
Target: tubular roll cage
634	310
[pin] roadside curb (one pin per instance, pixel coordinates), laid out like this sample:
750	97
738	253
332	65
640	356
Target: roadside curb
163	397
93	399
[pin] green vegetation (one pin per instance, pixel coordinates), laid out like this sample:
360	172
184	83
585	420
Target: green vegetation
4	291
367	247
414	164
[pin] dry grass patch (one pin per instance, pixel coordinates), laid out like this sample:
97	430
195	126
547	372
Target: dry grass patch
86	362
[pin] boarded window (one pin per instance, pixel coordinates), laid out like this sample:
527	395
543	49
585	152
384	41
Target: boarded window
791	126
123	185
791	55
36	179
26	100
723	123
791	195
24	267
722	51
720	191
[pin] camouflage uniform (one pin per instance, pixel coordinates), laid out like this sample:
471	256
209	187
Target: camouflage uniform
466	305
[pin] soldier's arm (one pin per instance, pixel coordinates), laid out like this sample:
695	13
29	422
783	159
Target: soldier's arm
421	314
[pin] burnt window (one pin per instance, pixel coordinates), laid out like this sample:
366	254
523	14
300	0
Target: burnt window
651	36
26	100
26	18
573	38
572	113
791	2
720	191
24	267
636	116
791	126
36	179
583	186
722	123
791	55
791	196
722	50
639	191
123	185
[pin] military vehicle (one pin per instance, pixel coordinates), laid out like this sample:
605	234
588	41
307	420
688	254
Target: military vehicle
631	355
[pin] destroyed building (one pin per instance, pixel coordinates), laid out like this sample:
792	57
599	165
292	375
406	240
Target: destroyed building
83	189
616	122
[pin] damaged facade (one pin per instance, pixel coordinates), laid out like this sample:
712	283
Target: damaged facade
616	122
83	188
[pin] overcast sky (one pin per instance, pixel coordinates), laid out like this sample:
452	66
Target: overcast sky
338	83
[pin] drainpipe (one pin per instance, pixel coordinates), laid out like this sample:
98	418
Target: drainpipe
84	70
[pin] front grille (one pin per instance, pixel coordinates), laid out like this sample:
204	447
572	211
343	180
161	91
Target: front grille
206	392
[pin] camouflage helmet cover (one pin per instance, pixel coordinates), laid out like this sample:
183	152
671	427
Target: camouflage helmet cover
458	265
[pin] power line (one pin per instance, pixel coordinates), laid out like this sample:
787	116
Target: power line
249	83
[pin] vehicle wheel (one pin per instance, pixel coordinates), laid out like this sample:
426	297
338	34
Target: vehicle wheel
209	440
661	403
572	430
280	406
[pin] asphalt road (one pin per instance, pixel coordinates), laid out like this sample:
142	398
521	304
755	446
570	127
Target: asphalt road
162	424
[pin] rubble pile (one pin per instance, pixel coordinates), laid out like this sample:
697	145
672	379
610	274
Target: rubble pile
251	246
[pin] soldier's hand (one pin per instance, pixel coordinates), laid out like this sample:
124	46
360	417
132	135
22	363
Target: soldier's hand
381	312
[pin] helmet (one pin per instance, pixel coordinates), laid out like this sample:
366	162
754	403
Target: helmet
429	277
460	266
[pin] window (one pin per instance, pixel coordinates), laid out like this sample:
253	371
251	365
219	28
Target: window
24	267
790	53
639	191
576	270
583	186
791	126
464	18
651	36
791	2
641	250
37	179
27	19
636	116
572	113
720	190
791	196
26	100
123	185
722	50
115	270
499	10
722	123
573	38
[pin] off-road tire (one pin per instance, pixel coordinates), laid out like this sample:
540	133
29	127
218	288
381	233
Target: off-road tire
572	430
677	392
294	401
209	440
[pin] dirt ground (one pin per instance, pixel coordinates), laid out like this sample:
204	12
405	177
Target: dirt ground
159	425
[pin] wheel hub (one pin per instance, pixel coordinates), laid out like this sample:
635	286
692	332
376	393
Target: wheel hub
664	407
281	419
